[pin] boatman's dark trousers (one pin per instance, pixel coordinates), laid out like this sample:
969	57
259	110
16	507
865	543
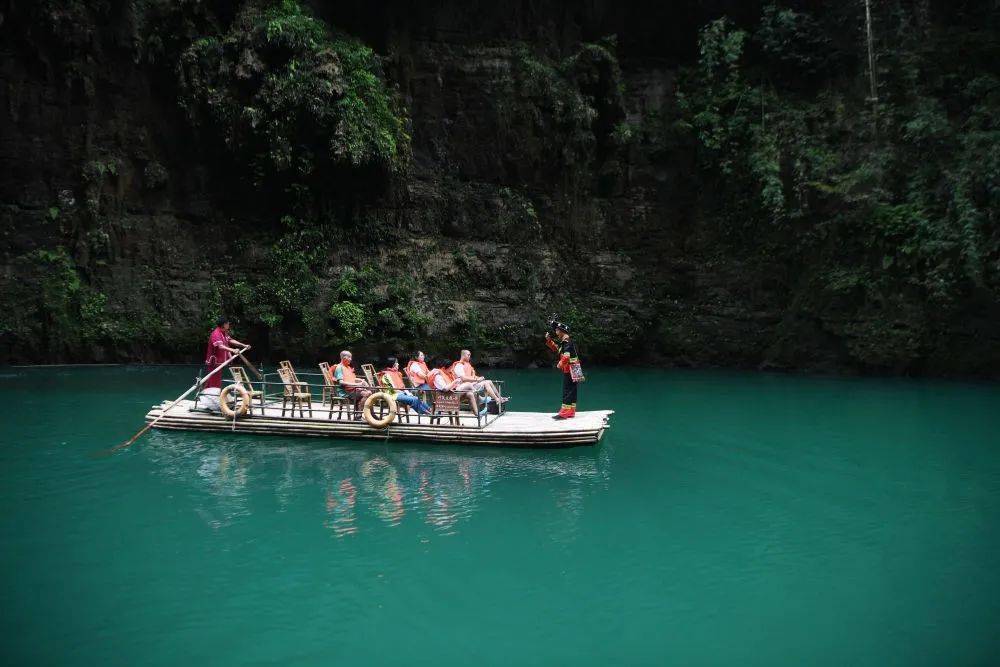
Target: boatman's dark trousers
569	391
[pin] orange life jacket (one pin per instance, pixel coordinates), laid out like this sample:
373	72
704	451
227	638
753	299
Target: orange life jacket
414	377
448	377
395	377
471	370
349	375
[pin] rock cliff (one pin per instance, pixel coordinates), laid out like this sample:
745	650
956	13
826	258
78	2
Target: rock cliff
547	159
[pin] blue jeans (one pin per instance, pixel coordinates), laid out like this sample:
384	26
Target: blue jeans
423	386
409	399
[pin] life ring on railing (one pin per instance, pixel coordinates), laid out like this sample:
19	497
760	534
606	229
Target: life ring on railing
242	406
370	402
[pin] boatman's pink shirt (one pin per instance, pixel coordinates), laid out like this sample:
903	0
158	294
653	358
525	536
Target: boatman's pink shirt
215	354
216	341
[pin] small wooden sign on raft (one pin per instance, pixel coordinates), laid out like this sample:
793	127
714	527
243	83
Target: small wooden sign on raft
447	402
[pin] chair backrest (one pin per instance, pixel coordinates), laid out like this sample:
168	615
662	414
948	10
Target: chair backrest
369	370
328	378
240	376
286	379
287	365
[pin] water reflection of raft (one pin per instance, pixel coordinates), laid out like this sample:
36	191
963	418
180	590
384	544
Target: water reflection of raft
513	429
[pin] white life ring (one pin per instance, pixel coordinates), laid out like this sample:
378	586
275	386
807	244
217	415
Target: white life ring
241	407
370	402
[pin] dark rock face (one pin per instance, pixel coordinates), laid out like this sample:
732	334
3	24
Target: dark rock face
515	203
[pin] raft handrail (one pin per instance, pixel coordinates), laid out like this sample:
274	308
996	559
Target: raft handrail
315	388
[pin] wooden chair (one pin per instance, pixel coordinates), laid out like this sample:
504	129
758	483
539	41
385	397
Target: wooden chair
446	403
293	392
330	393
370	375
241	378
287	365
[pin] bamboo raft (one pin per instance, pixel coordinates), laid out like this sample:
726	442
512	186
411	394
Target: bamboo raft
511	429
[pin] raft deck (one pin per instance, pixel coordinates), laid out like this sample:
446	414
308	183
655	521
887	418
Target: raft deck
512	429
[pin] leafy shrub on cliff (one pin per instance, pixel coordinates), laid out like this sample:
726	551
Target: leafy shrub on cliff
286	278
290	95
893	208
375	305
50	311
572	106
350	321
794	42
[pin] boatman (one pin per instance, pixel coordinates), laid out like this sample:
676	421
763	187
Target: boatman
219	349
566	350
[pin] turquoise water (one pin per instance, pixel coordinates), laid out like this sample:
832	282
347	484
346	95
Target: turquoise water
745	519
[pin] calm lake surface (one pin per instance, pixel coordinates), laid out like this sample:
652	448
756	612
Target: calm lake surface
742	519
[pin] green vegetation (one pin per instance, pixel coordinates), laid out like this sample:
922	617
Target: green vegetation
762	208
890	206
53	313
292	97
574	106
372	305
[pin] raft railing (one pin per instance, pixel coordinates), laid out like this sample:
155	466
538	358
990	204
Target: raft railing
274	393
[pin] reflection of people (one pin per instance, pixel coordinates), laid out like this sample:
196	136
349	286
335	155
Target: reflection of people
466	372
340	507
380	479
392	384
219	350
348	384
566	350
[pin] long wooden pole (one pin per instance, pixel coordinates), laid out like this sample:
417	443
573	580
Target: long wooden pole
180	398
251	366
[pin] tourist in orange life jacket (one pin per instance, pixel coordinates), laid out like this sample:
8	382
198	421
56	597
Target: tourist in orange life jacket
349	385
219	349
392	384
417	371
566	350
441	379
466	372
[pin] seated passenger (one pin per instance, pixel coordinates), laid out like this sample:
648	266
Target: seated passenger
392	384
349	385
417	371
466	372
442	380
